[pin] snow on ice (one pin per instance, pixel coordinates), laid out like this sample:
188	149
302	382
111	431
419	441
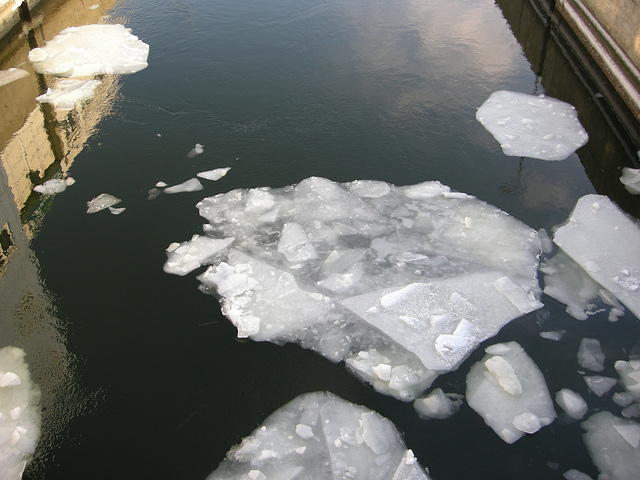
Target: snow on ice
319	435
508	391
19	414
91	50
595	225
614	445
532	126
401	283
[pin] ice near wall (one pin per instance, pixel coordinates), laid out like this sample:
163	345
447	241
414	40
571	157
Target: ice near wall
400	283
532	126
19	414
321	436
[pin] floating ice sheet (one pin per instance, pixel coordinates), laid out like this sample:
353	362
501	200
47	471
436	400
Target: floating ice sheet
532	126
215	174
69	92
614	445
191	185
19	414
401	283
55	185
11	75
595	225
91	50
102	201
509	392
321	436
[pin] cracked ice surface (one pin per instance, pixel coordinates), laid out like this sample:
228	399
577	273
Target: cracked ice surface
532	126
596	224
91	50
401	283
320	436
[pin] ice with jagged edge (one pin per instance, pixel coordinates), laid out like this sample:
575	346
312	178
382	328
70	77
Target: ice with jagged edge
401	283
321	436
604	241
68	93
614	445
19	414
532	126
90	50
509	392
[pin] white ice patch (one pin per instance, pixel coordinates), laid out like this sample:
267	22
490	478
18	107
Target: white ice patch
590	355
215	174
596	224
572	403
102	201
631	180
188	256
19	414
318	435
438	404
600	385
630	376
613	445
53	186
191	185
509	392
11	75
532	126
91	50
69	93
392	282
196	150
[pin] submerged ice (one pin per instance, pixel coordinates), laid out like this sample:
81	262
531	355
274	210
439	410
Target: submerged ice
91	50
532	126
401	283
321	436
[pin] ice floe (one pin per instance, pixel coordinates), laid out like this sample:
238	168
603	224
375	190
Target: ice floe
11	75
91	50
19	414
215	174
594	227
508	391
438	404
614	445
631	180
197	150
590	355
572	403
599	384
69	93
102	201
318	435
53	186
191	185
532	126
401	283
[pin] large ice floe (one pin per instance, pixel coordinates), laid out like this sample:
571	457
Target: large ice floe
19	414
508	390
321	436
532	126
90	50
604	241
401	283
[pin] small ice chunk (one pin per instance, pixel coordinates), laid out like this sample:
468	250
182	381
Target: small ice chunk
90	50
623	399
161	184
612	443
525	125
69	93
590	355
9	379
197	150
304	431
438	404
572	403
382	371
116	211
492	391
631	180
555	335
53	186
573	474
600	385
215	174
187	256
102	201
191	185
11	75
630	376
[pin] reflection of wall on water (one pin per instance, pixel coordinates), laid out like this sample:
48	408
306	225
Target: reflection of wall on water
614	134
37	143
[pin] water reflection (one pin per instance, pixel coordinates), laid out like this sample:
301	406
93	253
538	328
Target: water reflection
39	143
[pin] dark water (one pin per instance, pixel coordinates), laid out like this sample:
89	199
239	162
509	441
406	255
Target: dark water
142	377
